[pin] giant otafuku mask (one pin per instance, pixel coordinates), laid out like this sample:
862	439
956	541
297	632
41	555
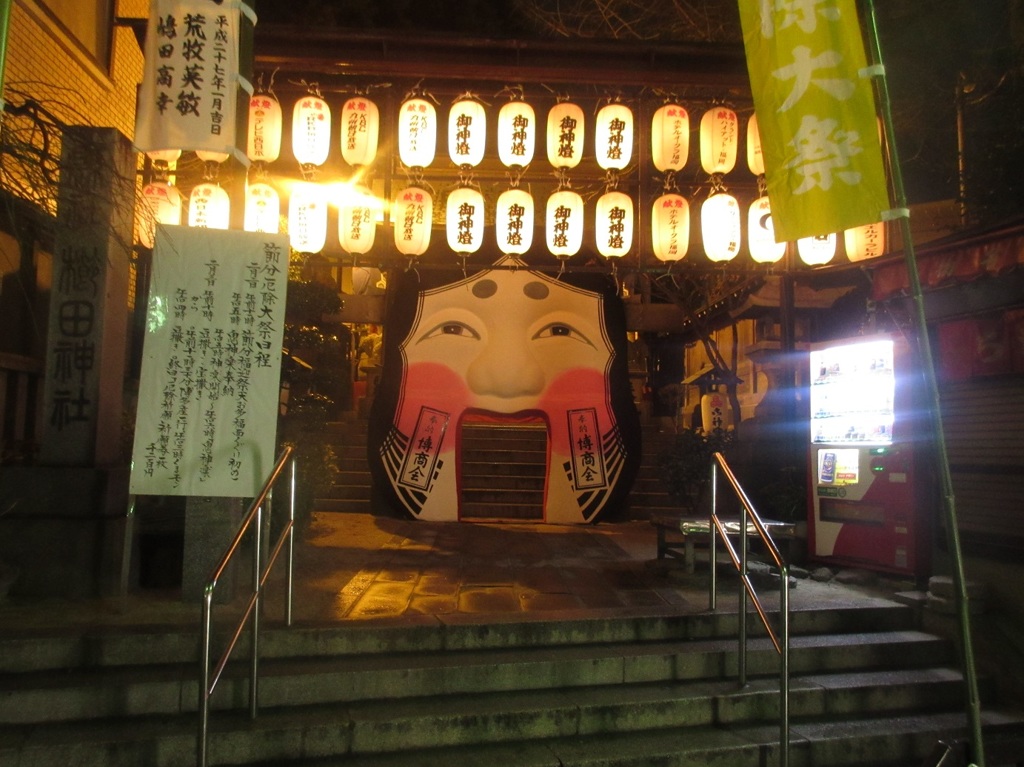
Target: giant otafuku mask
505	345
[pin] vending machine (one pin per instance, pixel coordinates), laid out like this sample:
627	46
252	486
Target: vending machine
869	500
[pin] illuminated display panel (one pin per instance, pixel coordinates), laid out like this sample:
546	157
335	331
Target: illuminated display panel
839	467
852	390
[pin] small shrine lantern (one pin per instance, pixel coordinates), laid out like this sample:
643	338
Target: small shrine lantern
357	220
755	157
720	227
761	233
163	206
311	130
817	250
865	242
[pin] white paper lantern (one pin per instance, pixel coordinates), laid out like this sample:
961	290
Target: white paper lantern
670	227
167	156
163	206
412	216
761	233
613	224
417	133
670	137
311	130
565	135
464	220
613	136
266	122
360	130
564	223
307	217
262	208
513	221
357	220
719	136
755	157
817	250
720	227
467	132
206	156
209	207
865	242
517	134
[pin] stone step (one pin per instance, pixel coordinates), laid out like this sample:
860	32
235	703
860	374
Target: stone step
158	689
650	725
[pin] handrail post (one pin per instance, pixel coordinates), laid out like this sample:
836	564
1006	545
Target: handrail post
742	597
290	573
257	590
784	668
713	542
204	681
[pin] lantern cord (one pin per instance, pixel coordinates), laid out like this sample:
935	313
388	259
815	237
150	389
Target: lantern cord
469	96
611	180
513	92
669	184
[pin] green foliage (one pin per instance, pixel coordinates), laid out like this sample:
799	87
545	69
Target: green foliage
309	301
686	464
316	460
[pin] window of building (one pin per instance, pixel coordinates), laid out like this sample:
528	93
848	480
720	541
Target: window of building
88	22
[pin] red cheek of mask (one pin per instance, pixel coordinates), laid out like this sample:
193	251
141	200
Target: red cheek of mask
574	389
431	384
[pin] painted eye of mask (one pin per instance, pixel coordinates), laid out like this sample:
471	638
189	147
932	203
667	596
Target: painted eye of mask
454	328
562	330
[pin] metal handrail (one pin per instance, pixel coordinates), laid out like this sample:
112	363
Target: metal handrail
259	579
781	639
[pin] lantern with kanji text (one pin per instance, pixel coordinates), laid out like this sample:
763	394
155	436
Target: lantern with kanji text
565	135
670	137
357	220
467	132
755	157
517	134
262	208
163	204
360	129
412	216
513	221
613	136
719	136
464	220
863	242
266	122
209	207
417	133
613	224
307	217
564	223
670	227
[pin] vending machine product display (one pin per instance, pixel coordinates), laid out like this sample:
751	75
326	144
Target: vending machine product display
868	501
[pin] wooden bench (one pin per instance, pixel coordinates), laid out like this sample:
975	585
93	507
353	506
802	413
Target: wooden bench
678	536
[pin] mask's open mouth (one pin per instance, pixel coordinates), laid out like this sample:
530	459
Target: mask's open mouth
502	467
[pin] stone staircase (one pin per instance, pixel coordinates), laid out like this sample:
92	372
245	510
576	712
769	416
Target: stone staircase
503	473
868	689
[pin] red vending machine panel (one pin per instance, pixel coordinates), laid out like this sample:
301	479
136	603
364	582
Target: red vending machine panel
867	505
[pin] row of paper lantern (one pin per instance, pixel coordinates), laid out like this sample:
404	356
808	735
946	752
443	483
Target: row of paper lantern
412	216
516	134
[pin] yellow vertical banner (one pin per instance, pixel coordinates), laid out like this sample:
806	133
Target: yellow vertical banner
815	107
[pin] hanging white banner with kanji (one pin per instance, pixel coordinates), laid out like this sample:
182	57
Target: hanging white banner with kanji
211	367
190	83
815	107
